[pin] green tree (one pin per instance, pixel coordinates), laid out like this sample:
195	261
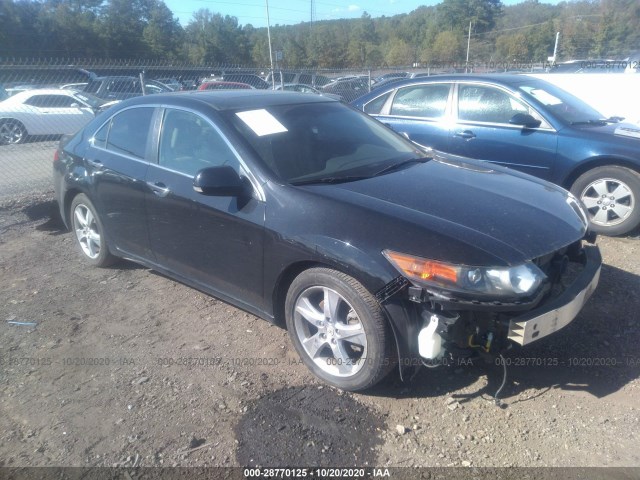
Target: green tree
447	48
456	14
512	48
120	26
399	53
361	41
213	38
162	33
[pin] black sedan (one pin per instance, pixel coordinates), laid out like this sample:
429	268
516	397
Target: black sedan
308	213
527	124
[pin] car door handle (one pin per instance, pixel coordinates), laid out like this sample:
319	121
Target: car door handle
159	188
97	164
466	134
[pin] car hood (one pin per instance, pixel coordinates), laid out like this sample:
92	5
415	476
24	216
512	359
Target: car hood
464	211
623	131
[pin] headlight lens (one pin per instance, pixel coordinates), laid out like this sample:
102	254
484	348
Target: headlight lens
502	282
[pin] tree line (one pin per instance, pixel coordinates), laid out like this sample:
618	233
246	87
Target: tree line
147	29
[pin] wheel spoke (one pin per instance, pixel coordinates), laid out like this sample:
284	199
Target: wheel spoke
343	361
621	210
89	218
600	188
91	247
95	237
352	333
313	344
621	191
330	305
601	216
80	217
309	312
590	202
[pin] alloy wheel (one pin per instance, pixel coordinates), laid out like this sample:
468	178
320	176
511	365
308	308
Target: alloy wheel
609	201
87	231
330	331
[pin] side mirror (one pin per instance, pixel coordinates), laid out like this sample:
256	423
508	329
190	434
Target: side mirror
221	181
75	105
525	120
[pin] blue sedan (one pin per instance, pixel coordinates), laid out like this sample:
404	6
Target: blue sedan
527	124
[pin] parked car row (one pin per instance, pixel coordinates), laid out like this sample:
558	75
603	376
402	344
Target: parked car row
46	112
513	120
64	110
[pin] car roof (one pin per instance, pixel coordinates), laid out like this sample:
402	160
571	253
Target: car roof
222	82
41	91
510	79
505	78
228	99
114	77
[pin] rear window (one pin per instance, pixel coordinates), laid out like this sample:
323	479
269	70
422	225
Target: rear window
374	107
127	132
429	101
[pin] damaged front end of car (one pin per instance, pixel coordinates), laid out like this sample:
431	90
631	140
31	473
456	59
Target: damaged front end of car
458	312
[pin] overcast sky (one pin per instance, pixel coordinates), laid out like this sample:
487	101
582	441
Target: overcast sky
288	12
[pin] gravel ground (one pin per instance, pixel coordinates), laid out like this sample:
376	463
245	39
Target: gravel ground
126	367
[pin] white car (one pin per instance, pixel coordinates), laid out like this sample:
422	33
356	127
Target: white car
46	112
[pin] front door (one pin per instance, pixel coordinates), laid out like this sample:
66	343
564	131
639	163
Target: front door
483	131
212	241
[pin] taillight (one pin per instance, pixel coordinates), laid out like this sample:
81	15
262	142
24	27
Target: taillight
56	156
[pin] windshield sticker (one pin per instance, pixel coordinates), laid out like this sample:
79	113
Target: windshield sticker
261	122
545	97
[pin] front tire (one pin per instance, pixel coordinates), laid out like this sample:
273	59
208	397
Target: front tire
12	132
611	195
89	232
338	329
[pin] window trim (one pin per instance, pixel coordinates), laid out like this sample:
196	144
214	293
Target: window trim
243	166
152	149
121	154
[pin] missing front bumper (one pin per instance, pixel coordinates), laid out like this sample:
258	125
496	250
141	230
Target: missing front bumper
561	311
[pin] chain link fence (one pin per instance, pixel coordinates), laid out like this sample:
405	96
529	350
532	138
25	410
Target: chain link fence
45	99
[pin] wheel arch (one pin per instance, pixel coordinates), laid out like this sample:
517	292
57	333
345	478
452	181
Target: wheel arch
596	162
288	275
4	120
66	209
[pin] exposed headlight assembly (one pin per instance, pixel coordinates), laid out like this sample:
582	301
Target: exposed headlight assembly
495	282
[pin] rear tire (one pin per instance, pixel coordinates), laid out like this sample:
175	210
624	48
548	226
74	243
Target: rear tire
339	329
89	232
611	195
12	132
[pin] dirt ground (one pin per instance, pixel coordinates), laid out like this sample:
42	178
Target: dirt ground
123	366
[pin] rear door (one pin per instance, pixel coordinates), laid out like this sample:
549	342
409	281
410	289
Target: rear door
419	112
216	242
482	130
117	162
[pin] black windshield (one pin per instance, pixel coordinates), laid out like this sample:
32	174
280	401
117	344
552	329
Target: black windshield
303	143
